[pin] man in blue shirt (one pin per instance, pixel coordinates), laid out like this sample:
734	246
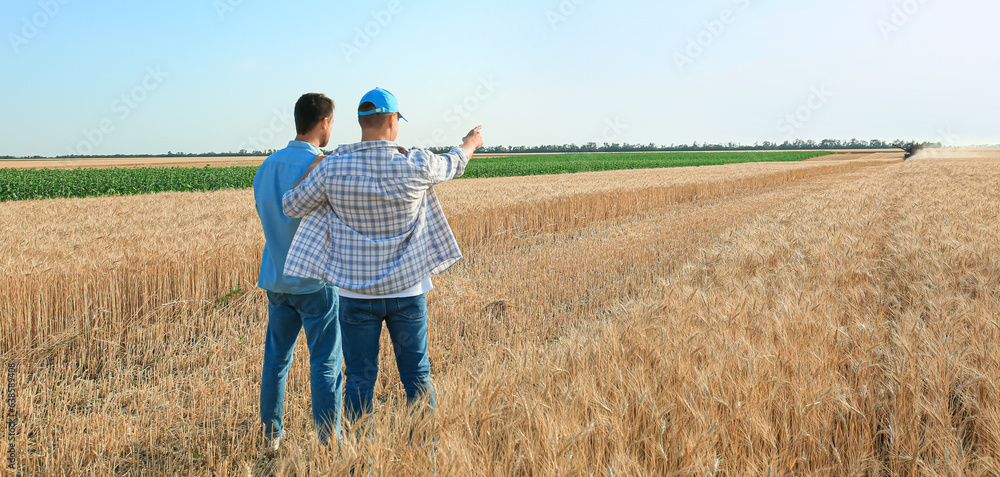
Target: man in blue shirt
297	303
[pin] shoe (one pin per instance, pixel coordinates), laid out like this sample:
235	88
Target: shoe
271	445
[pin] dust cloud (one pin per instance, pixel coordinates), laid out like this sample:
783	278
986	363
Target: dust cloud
958	153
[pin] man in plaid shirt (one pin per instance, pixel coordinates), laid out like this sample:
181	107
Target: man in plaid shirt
374	227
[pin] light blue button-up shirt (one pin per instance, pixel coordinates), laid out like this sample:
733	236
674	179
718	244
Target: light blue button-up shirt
277	175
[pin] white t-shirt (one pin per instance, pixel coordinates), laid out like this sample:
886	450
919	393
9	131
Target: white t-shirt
424	286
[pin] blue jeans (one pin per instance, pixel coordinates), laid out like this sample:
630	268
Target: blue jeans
361	326
287	315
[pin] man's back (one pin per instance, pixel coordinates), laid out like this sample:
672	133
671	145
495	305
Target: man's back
379	226
277	175
393	187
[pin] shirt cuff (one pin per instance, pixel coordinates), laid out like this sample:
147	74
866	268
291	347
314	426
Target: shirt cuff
461	153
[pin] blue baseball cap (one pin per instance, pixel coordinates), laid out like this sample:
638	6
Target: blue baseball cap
383	100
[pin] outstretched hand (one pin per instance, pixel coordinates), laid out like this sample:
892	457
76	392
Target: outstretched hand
472	141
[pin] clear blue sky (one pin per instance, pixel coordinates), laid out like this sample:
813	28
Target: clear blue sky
208	75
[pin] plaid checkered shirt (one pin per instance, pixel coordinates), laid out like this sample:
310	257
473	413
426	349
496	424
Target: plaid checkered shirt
372	222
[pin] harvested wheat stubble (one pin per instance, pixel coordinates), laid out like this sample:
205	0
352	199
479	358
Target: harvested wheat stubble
848	329
91	232
120	258
469	194
772	344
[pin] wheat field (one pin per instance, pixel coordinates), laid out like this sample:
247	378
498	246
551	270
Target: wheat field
827	317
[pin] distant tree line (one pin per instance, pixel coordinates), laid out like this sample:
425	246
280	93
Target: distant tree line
798	144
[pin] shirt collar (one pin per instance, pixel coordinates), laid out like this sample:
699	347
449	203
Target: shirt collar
369	145
305	145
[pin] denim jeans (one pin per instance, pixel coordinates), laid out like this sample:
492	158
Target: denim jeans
361	326
317	313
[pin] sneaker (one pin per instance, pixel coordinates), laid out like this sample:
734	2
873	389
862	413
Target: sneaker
271	445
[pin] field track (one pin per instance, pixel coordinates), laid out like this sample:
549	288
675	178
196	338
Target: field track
828	317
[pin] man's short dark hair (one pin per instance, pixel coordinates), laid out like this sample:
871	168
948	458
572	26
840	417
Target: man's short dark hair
372	121
310	109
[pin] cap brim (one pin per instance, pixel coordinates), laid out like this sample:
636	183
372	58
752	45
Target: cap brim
375	111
